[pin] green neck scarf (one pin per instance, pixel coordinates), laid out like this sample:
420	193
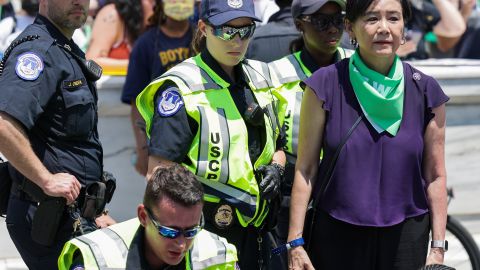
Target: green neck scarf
380	96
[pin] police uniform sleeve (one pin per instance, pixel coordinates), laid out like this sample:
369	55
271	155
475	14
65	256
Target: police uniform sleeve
28	82
172	130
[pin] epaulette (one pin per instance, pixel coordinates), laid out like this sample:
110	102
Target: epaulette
13	45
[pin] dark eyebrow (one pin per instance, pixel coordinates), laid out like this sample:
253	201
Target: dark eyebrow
393	12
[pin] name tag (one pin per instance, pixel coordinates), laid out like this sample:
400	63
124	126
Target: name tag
74	84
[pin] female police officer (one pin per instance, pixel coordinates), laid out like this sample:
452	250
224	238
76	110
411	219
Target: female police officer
215	114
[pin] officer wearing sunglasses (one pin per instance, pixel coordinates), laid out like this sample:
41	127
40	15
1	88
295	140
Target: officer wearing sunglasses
167	234
321	24
216	115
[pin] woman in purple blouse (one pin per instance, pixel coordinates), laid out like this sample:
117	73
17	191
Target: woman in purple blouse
388	189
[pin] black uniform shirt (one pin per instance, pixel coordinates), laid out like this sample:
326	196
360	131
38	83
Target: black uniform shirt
171	136
43	87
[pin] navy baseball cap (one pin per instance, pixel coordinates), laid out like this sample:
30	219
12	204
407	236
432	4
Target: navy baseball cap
307	7
219	12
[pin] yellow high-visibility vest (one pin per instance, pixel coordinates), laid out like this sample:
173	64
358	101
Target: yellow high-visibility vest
287	74
108	249
219	154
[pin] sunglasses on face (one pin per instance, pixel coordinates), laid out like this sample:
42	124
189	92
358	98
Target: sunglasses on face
227	33
172	233
322	22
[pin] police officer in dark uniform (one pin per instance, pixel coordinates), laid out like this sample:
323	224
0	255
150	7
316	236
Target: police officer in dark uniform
48	130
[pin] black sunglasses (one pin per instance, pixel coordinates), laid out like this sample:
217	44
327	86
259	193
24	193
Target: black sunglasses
322	22
172	233
226	32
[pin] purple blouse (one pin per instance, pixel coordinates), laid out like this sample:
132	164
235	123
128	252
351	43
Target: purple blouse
378	178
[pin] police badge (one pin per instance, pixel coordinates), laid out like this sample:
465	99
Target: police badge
235	3
223	216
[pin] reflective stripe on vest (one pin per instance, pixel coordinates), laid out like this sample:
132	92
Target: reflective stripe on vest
219	152
286	70
107	249
102	249
205	257
288	73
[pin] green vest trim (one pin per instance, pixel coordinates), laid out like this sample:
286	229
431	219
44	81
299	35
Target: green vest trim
107	249
219	151
288	73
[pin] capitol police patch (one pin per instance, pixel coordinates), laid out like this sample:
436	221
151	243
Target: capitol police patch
235	3
170	102
29	66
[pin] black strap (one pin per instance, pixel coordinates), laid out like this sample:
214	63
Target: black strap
331	167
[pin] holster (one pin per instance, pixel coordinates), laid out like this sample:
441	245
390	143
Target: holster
5	187
47	219
48	215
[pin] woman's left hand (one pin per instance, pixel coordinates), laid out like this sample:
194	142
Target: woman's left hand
435	256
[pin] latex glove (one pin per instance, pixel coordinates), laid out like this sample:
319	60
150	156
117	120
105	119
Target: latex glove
272	176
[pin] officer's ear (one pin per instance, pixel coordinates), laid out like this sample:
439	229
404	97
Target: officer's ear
142	214
202	27
299	25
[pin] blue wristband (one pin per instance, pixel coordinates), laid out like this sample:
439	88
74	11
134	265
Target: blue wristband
294	243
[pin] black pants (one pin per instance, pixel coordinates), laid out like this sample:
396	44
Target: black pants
337	245
248	240
19	224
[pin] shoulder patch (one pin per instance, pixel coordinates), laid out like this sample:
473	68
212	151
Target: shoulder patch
29	66
170	102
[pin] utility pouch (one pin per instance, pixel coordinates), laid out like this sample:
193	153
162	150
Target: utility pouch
5	187
47	219
253	115
97	195
94	200
111	184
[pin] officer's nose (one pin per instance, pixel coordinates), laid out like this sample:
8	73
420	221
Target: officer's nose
181	241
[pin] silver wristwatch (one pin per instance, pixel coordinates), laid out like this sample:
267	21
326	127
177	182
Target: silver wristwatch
443	244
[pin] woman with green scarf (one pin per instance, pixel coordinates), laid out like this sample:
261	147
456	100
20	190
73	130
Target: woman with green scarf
388	186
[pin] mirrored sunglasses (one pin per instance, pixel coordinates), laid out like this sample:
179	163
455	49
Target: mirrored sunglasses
172	233
322	22
227	33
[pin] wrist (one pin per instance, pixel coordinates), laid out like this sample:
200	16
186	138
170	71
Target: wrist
439	245
44	179
288	246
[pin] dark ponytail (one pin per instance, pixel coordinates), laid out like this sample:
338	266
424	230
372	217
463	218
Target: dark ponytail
199	42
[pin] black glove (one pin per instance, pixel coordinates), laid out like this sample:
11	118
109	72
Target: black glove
272	176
